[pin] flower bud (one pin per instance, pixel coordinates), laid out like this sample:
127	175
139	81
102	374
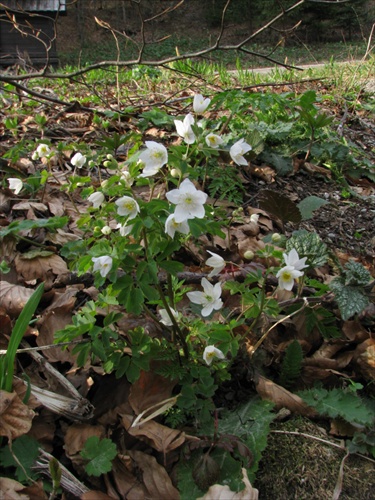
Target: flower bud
276	237
249	255
176	172
106	230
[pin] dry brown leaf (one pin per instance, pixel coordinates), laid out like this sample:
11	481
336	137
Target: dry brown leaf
126	485
42	268
27	205
12	490
149	390
219	492
282	397
353	330
159	436
56	317
95	495
364	357
13	298
75	437
15	417
155	478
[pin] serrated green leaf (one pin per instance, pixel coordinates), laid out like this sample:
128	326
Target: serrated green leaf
339	403
350	299
308	205
282	164
172	266
100	454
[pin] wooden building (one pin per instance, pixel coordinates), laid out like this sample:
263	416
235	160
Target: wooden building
27	33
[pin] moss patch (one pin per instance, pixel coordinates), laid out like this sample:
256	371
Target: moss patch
297	467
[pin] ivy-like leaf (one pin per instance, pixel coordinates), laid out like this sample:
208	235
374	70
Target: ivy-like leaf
356	274
350	299
309	245
100	454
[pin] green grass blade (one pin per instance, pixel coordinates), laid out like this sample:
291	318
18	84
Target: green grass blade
7	361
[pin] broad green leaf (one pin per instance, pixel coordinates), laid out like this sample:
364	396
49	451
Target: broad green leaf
282	164
25	225
308	205
25	451
356	274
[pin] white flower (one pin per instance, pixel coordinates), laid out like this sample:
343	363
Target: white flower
217	262
127	206
292	259
254	218
96	199
126	177
212	352
188	200
15	184
106	230
42	151
209	298
184	128
165	318
171	226
237	151
200	104
286	276
78	160
102	264
213	140
124	229
154	157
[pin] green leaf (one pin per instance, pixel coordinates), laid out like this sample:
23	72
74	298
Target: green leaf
282	164
339	403
100	454
356	274
23	320
292	363
308	205
172	266
309	245
25	225
350	299
250	422
25	451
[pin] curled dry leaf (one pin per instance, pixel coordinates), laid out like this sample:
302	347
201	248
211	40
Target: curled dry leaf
159	436
282	397
155	478
13	298
76	436
364	357
219	492
44	268
15	417
56	317
12	490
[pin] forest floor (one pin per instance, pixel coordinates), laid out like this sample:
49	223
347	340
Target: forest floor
305	457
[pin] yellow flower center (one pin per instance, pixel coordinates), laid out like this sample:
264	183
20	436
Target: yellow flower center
287	276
